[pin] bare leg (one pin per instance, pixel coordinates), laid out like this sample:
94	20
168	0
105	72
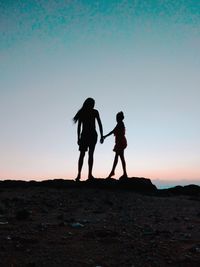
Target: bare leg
114	166
90	162
123	163
80	165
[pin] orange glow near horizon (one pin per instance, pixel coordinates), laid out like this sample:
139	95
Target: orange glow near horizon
167	175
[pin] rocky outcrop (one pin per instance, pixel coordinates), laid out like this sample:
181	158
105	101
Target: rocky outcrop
135	184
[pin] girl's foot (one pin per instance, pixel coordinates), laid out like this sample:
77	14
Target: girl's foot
78	178
111	174
124	176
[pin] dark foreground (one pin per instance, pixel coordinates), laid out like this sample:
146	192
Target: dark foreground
84	224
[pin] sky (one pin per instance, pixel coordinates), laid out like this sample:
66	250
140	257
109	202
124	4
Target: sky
141	57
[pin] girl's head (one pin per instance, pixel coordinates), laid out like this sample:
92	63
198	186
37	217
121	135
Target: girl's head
87	105
120	116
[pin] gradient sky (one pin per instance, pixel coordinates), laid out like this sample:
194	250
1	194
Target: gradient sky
141	57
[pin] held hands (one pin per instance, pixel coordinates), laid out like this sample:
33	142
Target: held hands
102	139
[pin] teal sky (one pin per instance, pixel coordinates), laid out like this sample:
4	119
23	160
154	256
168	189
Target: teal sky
142	57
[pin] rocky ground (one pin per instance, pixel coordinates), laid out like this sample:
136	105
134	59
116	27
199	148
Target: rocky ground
91	226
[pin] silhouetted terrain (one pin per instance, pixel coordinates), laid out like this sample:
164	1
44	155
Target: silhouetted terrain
98	223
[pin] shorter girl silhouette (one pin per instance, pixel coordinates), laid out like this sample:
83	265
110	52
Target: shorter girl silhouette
120	144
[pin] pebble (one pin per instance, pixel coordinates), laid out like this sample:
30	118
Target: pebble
3	223
195	249
77	225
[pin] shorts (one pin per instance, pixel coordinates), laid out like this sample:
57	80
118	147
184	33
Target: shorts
88	140
120	145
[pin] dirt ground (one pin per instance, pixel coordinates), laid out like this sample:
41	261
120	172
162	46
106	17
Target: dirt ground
42	227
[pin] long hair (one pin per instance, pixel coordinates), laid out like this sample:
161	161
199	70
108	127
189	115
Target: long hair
87	105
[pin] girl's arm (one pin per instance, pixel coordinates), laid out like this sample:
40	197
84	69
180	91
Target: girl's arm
112	132
100	126
79	131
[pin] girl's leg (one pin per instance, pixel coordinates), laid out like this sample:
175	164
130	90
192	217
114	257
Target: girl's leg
80	164
90	162
114	166
123	163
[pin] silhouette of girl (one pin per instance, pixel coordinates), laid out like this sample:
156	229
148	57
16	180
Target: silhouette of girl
120	144
86	133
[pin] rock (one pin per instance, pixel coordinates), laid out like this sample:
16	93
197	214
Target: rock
195	249
190	190
9	238
23	214
77	225
135	184
3	223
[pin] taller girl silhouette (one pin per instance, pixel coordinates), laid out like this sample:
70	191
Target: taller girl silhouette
86	134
